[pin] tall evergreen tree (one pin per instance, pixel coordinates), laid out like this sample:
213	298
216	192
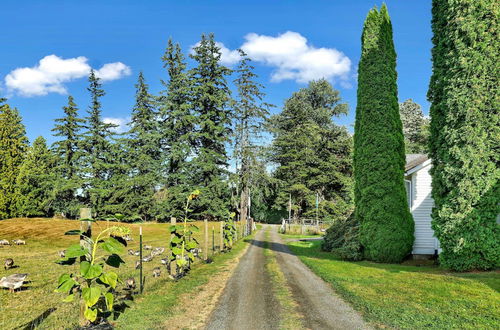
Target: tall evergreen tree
465	133
250	114
35	182
13	145
415	127
210	100
96	143
177	128
387	227
68	167
142	162
312	153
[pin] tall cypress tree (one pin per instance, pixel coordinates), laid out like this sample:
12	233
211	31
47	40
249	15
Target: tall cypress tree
387	227
250	114
68	129
13	145
177	128
96	143
210	100
35	182
465	133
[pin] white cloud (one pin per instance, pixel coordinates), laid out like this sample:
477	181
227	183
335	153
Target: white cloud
121	123
295	59
113	71
52	72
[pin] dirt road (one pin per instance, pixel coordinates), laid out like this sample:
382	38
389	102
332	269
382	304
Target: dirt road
248	301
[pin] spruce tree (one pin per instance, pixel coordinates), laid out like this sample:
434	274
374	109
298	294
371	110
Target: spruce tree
143	156
250	115
312	153
13	146
387	227
177	133
465	133
35	182
96	144
68	169
210	98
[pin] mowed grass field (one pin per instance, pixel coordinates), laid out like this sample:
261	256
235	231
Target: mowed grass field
37	303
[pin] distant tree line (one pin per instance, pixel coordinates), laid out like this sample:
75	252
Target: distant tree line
194	134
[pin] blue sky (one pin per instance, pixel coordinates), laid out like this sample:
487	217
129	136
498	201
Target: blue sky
129	36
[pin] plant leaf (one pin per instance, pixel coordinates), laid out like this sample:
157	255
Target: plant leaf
93	272
109	278
73	232
63	278
114	260
69	298
75	251
90	314
112	246
176	251
67	285
84	267
91	296
109	300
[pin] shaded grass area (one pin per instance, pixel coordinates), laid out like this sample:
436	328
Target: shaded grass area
290	318
151	309
37	304
409	297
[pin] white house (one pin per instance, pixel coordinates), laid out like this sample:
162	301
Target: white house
418	187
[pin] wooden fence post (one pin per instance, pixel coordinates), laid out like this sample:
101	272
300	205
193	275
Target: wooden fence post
141	280
221	236
205	248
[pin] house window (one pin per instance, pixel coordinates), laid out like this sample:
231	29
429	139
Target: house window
408	192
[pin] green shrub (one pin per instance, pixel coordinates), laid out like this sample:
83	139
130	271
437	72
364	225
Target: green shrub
342	239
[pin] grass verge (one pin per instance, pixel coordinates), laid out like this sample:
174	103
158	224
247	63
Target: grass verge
290	317
409	297
160	302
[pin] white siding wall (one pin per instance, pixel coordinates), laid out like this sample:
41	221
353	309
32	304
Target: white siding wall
421	208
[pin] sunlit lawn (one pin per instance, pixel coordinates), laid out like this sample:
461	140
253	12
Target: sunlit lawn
44	238
411	297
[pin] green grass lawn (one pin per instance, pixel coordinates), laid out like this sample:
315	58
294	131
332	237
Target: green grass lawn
38	304
410	297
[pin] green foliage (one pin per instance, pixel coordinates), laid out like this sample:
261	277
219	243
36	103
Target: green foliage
313	154
177	127
35	182
387	228
342	238
415	127
210	106
137	160
68	168
465	133
13	145
98	160
229	231
182	243
250	113
95	285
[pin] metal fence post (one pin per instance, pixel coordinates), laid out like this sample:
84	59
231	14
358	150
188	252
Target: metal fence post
141	284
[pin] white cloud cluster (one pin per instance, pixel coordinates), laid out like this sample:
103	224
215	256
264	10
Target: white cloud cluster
120	123
52	72
292	56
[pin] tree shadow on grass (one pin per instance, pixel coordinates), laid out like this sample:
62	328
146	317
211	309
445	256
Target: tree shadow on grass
37	321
